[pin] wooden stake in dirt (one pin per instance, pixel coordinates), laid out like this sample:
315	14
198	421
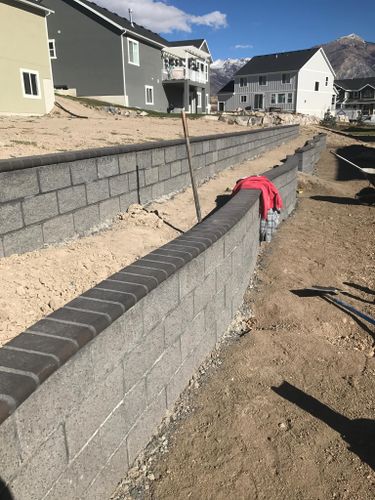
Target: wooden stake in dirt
193	185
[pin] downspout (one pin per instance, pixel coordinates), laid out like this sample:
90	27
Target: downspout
126	103
50	63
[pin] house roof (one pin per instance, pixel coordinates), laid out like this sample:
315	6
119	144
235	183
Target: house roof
283	61
228	88
182	43
35	5
355	83
124	23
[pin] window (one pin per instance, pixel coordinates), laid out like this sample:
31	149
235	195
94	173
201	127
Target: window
30	84
281	98
333	100
316	86
52	49
221	106
273	98
285	77
208	105
206	71
243	82
243	98
327	79
262	80
149	94
199	95
133	52
290	97
355	94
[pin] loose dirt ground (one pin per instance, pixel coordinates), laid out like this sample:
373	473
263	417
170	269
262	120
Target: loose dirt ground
34	284
58	131
288	409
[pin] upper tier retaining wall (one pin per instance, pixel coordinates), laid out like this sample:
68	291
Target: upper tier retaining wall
46	199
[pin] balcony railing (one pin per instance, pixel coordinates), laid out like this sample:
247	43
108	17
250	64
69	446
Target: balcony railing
181	73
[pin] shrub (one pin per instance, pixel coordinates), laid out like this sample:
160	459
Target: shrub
329	120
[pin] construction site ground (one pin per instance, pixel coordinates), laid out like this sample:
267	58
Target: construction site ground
284	409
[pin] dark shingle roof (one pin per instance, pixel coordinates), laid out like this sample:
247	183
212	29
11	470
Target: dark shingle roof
228	88
182	43
125	23
284	61
355	83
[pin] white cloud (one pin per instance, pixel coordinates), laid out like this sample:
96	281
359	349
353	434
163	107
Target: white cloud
160	16
240	46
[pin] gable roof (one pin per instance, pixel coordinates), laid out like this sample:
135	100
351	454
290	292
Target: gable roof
355	83
283	61
33	4
198	42
123	23
228	88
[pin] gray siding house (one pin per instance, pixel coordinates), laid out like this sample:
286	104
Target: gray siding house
97	53
300	81
355	97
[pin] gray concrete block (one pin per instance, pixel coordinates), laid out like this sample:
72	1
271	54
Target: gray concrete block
176	167
10	457
112	472
136	180
18	184
146	426
204	292
145	195
107	166
119	184
157	190
71	198
54	177
108	209
163	370
2	253
151	175
158	303
112	345
83	171
144	159
97	191
164	172
93	410
180	380
134	404
158	157
78	476
10	217
191	275
40	414
142	357
192	336
179	319
205	147
127	162
58	229
197	148
170	154
23	240
213	256
128	199
184	166
181	153
39	474
86	218
40	208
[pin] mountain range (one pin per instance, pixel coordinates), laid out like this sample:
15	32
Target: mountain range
350	57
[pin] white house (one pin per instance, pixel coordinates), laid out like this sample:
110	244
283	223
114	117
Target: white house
298	82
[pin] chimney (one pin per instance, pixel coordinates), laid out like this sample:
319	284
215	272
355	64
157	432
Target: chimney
131	17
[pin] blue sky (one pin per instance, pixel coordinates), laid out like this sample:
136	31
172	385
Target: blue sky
259	27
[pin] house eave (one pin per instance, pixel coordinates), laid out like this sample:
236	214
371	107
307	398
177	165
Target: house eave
36	6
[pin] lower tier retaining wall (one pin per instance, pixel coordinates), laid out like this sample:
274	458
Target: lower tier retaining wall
83	390
46	199
309	154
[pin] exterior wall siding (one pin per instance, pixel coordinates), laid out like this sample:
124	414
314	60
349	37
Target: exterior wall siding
23	45
89	56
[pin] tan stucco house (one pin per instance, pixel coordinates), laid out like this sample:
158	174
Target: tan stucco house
26	83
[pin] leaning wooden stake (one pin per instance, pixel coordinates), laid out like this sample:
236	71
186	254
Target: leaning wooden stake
193	185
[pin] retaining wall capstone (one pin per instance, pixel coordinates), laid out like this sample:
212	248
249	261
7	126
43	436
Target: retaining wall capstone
83	390
47	199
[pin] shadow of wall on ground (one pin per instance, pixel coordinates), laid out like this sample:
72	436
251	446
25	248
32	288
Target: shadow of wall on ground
358	433
5	493
362	156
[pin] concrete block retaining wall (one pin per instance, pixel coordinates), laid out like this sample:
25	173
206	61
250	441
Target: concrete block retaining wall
83	390
309	155
46	199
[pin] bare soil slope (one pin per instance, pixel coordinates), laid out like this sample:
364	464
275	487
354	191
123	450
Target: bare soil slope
289	410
